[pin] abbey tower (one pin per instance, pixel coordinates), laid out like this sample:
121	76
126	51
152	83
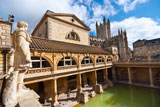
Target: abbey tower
104	39
103	30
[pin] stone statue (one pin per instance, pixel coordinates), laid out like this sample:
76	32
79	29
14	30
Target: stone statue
19	63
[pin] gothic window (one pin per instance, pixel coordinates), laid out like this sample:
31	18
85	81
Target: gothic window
86	60
67	61
73	36
39	62
109	59
100	60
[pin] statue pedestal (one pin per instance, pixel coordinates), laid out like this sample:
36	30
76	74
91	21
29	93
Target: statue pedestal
28	99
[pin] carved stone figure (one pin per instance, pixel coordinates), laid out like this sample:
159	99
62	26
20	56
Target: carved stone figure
19	63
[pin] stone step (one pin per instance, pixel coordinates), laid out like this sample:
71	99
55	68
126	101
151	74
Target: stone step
30	103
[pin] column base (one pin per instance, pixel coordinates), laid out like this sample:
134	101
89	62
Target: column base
129	82
78	93
98	88
151	85
54	104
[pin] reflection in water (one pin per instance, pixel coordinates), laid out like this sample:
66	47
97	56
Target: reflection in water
126	96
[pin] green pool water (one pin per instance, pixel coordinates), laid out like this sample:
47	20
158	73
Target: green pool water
126	96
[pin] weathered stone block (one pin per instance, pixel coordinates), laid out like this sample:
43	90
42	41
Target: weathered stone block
92	94
3	37
98	88
83	97
3	43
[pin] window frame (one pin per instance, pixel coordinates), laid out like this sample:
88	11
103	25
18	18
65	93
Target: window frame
40	60
100	60
87	58
65	59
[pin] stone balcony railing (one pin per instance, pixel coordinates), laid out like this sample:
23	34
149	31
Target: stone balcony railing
62	70
137	62
39	70
85	65
66	67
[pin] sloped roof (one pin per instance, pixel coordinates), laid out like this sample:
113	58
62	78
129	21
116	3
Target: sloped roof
42	44
52	15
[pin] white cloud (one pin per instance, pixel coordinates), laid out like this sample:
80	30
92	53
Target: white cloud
103	10
31	11
129	5
137	28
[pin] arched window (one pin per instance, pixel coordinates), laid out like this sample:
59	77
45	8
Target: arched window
73	36
67	61
86	60
39	62
100	60
109	59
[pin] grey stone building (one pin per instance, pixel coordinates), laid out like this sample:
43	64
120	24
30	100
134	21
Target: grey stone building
104	39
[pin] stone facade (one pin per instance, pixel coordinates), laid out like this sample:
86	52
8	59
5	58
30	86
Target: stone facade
146	49
5	30
5	41
57	27
104	39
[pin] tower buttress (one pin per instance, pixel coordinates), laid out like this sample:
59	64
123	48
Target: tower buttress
108	29
104	20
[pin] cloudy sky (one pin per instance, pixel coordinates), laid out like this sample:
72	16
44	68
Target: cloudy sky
140	18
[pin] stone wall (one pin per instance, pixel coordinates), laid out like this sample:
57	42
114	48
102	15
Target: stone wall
1	64
59	30
42	30
5	30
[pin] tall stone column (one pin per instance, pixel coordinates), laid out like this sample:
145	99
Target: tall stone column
54	92
129	76
79	84
85	80
94	77
105	74
66	84
113	74
151	77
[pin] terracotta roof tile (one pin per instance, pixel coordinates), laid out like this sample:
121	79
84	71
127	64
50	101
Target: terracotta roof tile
42	44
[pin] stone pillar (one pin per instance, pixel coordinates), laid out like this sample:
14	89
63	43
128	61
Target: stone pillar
54	62
79	84
94	73
105	74
151	77
79	62
113	74
94	61
65	84
85	80
129	76
54	92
